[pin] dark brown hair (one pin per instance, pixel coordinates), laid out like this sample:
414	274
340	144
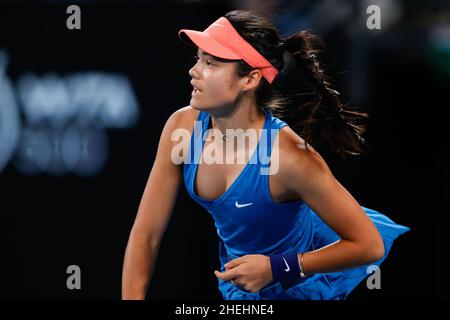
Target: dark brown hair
321	120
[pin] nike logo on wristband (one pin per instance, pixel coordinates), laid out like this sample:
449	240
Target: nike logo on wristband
287	269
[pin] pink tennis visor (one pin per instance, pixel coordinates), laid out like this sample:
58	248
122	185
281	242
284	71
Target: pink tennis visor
221	40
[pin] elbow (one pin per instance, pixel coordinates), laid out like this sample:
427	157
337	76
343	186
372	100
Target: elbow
375	250
144	239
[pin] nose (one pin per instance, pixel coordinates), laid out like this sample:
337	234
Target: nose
193	72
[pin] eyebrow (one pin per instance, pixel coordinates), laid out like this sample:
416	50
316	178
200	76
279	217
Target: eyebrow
216	59
205	54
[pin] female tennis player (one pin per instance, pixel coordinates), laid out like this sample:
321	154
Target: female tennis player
287	228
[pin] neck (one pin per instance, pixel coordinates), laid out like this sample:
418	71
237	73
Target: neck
242	116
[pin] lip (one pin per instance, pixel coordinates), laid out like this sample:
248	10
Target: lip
196	90
194	85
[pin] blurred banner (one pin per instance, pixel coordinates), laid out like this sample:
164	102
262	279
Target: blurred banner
64	122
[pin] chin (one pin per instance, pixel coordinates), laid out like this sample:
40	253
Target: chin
207	108
195	106
198	107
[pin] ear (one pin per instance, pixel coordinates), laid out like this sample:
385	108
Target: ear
252	80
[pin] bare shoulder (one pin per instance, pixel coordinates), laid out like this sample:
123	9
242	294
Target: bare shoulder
177	131
184	117
295	159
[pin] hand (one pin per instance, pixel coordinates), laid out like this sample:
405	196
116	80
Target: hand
251	272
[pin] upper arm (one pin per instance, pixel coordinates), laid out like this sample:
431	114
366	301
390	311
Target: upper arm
305	173
162	186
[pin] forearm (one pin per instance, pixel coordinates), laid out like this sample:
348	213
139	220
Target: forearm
340	255
138	266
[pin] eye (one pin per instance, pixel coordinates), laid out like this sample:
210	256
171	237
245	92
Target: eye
208	62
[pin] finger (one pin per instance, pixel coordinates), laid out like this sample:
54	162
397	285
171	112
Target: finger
234	263
226	275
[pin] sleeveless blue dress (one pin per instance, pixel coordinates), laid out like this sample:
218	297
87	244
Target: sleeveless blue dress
248	221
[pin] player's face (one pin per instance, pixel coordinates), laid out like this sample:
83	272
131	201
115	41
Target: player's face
215	83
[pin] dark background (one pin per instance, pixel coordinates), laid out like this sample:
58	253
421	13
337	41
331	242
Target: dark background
48	222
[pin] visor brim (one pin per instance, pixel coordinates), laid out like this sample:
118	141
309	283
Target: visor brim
207	44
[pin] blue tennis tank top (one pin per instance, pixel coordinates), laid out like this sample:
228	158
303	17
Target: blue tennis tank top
248	221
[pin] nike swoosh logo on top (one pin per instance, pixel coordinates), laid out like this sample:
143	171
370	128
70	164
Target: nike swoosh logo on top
287	269
242	205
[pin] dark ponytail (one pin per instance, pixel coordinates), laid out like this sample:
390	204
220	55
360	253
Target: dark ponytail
322	120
